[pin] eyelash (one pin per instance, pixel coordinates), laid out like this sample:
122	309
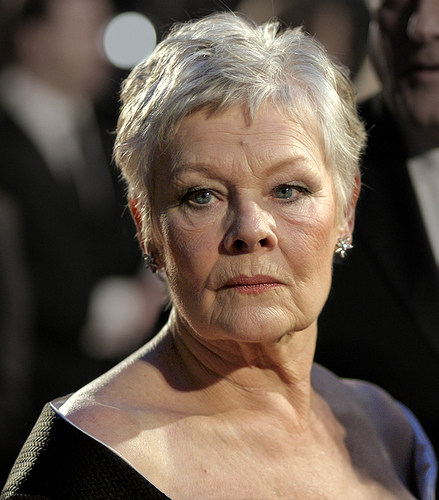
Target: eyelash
190	193
187	198
302	190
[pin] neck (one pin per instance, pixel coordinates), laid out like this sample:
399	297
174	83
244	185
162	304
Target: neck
238	375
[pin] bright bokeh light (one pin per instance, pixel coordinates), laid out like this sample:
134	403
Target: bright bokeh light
129	38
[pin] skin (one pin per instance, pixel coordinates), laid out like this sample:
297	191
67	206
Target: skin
246	224
268	207
64	48
404	46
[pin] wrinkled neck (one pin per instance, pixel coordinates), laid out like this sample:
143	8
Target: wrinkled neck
248	375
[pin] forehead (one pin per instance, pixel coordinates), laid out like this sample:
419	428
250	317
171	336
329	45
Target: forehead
269	134
375	5
80	11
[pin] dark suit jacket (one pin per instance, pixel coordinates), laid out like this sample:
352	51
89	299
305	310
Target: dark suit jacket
67	250
15	337
381	322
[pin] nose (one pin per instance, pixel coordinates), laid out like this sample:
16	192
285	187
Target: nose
252	229
423	23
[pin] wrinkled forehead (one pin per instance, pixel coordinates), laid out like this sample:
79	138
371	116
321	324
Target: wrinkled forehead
375	5
303	122
92	13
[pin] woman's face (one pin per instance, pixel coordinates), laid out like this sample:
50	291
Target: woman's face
246	226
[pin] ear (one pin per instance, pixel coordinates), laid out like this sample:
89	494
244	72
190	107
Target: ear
347	227
146	245
353	203
133	204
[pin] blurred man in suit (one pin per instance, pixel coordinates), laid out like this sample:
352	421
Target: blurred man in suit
55	163
15	337
382	321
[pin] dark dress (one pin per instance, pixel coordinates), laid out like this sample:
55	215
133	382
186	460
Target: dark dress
60	462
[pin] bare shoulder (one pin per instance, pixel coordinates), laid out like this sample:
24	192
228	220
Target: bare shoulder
365	409
99	410
117	405
370	400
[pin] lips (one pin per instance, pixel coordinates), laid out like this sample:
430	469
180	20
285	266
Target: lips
423	67
424	74
424	62
252	284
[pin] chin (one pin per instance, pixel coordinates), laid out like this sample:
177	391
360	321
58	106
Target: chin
258	326
420	107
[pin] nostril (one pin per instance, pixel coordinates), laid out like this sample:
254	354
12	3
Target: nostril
242	245
239	244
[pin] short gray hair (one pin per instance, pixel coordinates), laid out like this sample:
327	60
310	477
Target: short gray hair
223	61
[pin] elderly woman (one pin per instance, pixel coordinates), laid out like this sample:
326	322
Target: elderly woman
240	146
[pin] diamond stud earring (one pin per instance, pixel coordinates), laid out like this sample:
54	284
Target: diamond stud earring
150	263
343	246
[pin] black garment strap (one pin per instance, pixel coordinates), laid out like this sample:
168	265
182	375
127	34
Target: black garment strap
60	462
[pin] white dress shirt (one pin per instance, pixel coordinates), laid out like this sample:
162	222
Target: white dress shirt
53	121
424	173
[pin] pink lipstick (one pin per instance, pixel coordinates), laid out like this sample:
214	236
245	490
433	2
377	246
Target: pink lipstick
252	284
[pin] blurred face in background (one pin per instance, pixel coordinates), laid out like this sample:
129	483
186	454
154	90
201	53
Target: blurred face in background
404	46
65	47
338	42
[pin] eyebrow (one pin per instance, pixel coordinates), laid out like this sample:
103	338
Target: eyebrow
298	160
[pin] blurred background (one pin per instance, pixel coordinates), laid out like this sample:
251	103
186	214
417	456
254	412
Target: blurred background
74	298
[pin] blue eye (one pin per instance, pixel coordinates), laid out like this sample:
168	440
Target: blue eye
285	192
202	197
198	197
289	192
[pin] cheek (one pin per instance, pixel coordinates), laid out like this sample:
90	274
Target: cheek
314	224
316	247
314	271
310	243
391	36
187	250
